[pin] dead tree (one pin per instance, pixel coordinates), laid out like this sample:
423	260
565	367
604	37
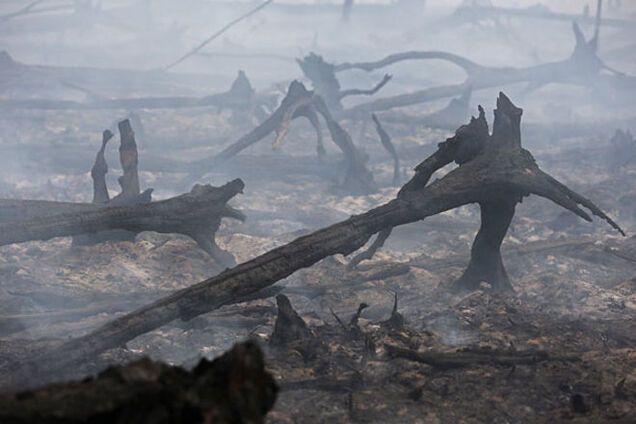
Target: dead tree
323	79
129	182
494	171
233	388
196	214
300	102
583	68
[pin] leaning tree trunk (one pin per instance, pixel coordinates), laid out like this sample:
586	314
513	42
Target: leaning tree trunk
500	169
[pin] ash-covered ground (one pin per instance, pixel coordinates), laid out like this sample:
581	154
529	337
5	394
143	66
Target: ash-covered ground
574	281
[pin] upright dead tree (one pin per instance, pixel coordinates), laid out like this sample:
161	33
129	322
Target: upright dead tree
494	172
300	102
129	182
323	79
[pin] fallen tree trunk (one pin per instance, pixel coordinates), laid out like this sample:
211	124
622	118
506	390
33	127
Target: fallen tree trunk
196	214
498	171
240	96
458	359
233	388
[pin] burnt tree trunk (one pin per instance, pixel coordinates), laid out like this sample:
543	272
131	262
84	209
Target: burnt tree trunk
486	264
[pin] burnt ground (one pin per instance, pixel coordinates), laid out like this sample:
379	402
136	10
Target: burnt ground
575	282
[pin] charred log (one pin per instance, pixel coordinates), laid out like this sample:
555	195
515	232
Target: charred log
450	360
196	214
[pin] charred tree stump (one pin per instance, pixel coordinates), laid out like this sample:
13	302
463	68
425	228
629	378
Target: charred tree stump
300	102
233	388
129	182
492	168
289	326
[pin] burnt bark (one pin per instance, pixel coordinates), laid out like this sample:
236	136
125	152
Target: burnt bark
500	169
233	388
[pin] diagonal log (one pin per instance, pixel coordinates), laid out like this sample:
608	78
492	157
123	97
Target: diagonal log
500	171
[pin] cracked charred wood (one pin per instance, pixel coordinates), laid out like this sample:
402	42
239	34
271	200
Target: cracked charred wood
233	388
583	68
289	326
498	172
385	139
300	102
196	214
458	359
323	79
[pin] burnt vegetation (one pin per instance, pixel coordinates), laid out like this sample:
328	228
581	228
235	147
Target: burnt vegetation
390	258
